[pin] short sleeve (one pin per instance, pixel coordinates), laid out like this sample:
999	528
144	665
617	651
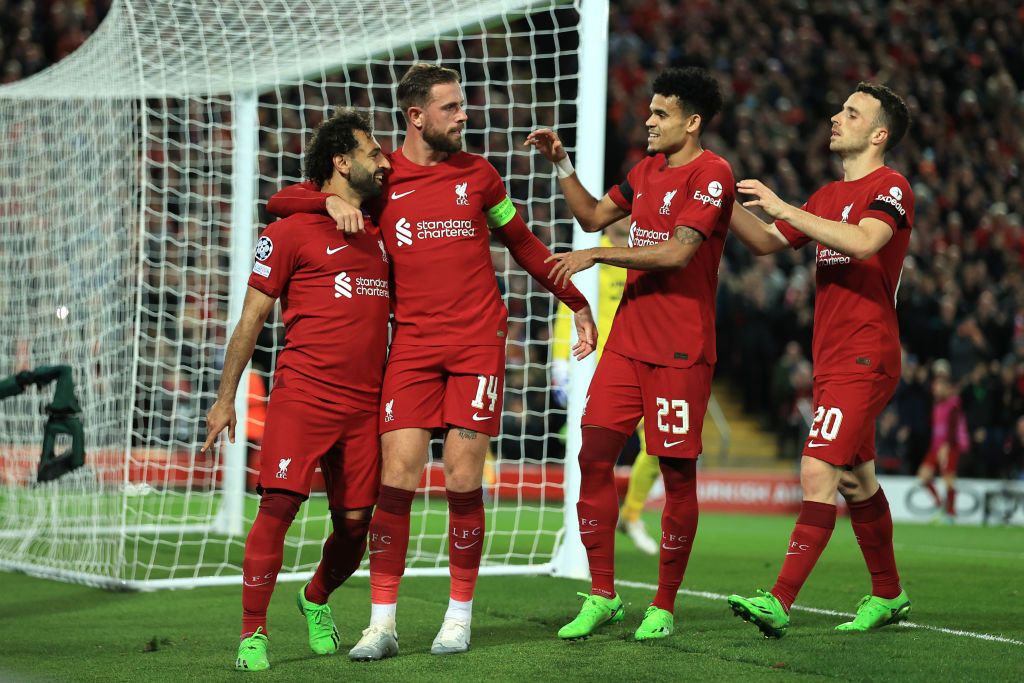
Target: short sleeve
623	193
796	238
275	259
892	202
708	193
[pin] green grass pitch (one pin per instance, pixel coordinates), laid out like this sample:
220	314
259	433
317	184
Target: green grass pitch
967	581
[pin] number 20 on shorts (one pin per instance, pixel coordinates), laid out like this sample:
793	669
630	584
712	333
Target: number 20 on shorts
826	422
681	411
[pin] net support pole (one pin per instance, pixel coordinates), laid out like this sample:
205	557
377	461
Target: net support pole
230	518
570	560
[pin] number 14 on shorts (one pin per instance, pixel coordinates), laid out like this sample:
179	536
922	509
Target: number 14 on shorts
488	383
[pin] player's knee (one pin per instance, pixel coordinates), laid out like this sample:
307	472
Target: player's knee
818	480
352	524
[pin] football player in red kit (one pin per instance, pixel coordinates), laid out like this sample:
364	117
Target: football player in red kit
326	390
660	354
446	367
861	226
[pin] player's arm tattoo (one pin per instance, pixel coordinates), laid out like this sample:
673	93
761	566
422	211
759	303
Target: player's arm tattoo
467	433
687	235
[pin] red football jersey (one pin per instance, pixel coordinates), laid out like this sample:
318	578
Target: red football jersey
855	327
667	317
335	302
435	227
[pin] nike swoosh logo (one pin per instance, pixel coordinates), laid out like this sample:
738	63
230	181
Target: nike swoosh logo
670	444
372	552
792	553
584	533
817	445
675	547
477	418
465	547
336	250
395	195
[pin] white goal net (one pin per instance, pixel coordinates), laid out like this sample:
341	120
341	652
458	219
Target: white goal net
133	182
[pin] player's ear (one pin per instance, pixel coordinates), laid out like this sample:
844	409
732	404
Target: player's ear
342	164
693	123
414	115
880	136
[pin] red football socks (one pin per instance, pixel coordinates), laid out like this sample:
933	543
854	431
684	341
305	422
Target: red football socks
465	541
950	500
678	527
343	551
264	553
389	541
872	525
813	528
598	506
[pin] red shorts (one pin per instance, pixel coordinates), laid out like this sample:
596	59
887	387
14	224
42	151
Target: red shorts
845	409
431	387
949	467
671	401
303	432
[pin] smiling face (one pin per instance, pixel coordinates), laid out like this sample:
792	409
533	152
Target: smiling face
856	128
367	164
443	118
668	125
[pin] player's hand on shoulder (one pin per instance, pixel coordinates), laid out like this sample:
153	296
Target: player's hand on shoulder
547	142
221	415
348	217
764	198
586	331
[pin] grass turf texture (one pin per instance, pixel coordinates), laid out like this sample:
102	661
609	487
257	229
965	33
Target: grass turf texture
959	578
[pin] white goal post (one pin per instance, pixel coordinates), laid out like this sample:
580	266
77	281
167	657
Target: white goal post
134	176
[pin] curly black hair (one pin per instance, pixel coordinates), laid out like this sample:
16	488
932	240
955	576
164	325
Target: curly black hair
334	136
696	88
894	115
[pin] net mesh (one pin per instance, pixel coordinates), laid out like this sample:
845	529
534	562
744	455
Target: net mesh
119	219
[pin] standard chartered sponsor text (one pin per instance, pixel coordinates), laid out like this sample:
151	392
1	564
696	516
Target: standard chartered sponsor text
368	286
448	228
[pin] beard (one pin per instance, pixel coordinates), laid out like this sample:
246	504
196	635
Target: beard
363	182
441	142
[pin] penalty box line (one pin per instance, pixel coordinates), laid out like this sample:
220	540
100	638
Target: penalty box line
834	613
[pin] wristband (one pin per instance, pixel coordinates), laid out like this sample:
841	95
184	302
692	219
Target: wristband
563	167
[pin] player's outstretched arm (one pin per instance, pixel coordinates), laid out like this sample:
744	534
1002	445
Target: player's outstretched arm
307	198
593	215
860	241
255	310
759	237
674	252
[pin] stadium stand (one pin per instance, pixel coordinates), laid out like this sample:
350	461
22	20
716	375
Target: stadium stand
959	64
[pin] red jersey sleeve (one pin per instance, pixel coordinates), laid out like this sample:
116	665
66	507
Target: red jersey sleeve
276	260
894	199
623	193
301	198
709	193
795	238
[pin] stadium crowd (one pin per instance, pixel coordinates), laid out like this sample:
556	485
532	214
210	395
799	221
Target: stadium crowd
785	66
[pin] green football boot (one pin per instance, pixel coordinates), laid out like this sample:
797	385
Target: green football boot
323	634
252	653
875	612
764	611
657	623
596	612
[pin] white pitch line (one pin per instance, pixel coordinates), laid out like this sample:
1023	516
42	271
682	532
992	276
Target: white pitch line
833	613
